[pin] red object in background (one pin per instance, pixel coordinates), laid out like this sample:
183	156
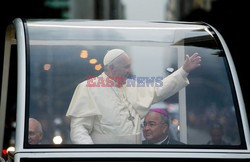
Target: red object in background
4	155
4	152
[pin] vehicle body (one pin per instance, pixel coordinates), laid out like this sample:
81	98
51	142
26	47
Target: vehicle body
53	56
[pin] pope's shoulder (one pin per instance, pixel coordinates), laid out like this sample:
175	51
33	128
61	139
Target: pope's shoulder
89	82
82	84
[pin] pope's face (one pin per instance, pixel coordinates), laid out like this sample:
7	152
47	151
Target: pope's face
122	67
154	130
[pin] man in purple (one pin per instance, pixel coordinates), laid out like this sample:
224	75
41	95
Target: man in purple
156	128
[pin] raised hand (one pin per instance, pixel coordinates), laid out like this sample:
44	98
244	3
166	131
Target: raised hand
192	62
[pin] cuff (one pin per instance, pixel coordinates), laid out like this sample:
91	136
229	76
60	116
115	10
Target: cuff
183	72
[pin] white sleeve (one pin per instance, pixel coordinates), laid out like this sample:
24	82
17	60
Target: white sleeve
80	129
171	85
143	97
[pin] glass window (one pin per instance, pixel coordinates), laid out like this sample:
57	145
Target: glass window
64	54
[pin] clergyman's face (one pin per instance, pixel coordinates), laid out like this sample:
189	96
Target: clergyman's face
35	136
154	129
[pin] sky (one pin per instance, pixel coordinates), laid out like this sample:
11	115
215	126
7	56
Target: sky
145	10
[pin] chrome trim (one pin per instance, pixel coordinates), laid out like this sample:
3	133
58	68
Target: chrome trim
21	83
237	89
123	155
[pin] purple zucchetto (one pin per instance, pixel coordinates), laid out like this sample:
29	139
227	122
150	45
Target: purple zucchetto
159	110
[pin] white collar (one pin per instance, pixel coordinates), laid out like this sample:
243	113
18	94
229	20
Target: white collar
163	141
105	76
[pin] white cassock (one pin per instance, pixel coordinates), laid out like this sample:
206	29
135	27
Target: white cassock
112	115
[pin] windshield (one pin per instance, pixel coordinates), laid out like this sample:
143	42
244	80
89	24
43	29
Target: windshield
63	56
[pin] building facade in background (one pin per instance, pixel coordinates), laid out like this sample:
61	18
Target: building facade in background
177	9
96	9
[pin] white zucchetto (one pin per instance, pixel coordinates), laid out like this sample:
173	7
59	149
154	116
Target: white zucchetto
111	55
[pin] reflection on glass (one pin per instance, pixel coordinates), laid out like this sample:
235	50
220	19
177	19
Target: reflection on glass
84	54
209	97
56	69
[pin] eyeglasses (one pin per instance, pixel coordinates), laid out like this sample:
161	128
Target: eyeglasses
151	124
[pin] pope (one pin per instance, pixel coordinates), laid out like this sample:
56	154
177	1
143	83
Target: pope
112	114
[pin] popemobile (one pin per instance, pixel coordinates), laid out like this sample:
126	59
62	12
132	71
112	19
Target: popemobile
46	60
